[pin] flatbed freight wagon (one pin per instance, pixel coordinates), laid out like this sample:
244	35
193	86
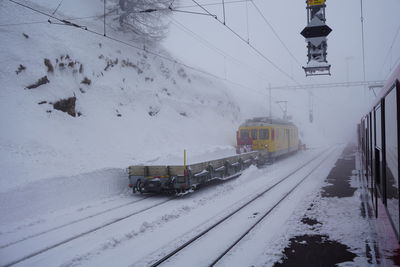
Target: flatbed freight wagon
181	178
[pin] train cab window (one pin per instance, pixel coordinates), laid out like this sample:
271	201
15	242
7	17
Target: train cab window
244	134
253	134
264	134
391	148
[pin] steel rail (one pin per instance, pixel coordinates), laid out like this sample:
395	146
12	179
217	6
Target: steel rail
72	222
267	213
40	251
202	233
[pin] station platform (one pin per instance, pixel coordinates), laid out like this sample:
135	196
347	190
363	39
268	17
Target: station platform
342	229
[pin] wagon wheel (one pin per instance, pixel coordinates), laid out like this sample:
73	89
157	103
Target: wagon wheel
134	189
139	186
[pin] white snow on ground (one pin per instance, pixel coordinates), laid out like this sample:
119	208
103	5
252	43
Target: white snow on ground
140	109
338	218
164	225
65	175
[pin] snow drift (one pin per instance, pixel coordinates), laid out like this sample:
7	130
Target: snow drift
74	102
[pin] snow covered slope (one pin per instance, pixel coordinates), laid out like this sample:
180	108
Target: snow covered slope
130	106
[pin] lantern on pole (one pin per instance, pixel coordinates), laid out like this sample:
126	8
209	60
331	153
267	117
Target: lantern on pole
315	33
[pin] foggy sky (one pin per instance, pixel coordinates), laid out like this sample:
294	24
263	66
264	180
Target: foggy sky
336	110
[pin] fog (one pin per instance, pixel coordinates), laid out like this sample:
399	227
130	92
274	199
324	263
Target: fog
203	42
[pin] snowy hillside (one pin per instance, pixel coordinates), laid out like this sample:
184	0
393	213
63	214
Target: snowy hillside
123	105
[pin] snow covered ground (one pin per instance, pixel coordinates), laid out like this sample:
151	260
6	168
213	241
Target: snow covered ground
64	176
134	107
128	239
137	108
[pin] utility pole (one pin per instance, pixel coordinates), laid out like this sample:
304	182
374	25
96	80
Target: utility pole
348	69
310	106
362	37
270	102
284	109
225	66
363	47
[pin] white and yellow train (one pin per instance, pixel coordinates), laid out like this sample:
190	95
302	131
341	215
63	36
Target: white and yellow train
278	137
262	139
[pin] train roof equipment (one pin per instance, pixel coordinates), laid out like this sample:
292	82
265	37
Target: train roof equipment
265	121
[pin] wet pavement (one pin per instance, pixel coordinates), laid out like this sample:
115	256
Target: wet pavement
320	245
315	250
340	176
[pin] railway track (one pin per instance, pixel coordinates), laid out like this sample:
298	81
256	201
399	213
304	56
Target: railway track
208	230
39	233
24	246
22	242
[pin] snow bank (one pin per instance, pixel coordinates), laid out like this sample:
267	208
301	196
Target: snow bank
134	107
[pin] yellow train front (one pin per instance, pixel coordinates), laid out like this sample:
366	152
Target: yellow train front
278	137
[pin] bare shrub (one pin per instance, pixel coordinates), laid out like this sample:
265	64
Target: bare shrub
20	69
66	105
39	82
87	81
48	64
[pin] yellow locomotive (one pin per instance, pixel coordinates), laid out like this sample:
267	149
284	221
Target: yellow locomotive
278	137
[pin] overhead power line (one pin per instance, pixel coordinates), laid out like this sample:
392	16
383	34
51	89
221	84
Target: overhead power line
215	4
177	8
247	43
46	21
275	33
59	4
219	51
330	85
390	50
362	37
68	23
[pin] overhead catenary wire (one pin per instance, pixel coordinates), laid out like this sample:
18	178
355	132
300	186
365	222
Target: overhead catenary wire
215	4
189	12
68	23
24	23
275	33
390	51
104	1
65	22
247	22
46	21
362	38
223	8
218	50
211	46
59	4
171	7
397	62
249	44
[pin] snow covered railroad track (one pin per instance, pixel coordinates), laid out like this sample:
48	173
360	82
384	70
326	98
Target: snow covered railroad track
29	247
278	193
68	223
